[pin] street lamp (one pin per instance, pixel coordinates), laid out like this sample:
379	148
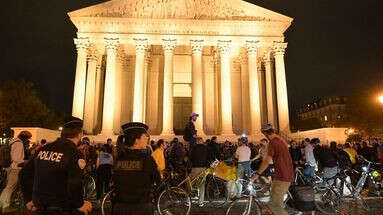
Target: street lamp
350	131
380	99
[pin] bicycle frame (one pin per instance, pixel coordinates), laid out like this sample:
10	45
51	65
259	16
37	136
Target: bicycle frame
191	182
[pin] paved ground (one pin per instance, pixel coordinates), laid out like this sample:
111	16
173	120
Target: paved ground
349	208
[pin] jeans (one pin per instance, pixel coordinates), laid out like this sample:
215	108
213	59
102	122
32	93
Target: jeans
244	169
12	179
309	172
278	191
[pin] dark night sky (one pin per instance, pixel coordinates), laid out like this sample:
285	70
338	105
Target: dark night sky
335	47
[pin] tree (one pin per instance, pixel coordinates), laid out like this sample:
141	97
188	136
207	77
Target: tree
308	124
20	106
365	113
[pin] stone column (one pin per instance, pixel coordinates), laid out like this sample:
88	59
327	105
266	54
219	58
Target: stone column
118	90
82	45
146	70
281	87
90	95
254	92
138	97
197	97
227	122
111	45
245	93
270	91
167	125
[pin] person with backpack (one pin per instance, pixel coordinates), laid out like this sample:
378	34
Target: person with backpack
11	158
326	159
190	134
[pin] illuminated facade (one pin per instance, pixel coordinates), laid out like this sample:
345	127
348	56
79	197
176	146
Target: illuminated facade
331	111
157	61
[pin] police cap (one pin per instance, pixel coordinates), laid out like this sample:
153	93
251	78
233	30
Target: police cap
73	123
126	128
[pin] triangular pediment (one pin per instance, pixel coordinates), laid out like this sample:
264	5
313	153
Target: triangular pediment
181	9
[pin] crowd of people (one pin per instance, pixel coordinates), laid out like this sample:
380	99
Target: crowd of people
50	173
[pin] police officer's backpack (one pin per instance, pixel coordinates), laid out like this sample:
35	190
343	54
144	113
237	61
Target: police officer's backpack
303	198
5	155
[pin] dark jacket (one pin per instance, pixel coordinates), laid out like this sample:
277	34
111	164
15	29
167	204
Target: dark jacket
189	132
325	157
134	175
55	172
199	156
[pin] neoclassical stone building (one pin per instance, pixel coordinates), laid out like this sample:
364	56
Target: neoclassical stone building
158	61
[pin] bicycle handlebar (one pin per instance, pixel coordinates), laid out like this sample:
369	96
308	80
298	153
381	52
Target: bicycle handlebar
365	160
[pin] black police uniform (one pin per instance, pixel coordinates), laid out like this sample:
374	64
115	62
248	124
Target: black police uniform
134	175
56	174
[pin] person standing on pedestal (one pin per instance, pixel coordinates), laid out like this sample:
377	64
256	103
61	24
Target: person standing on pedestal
190	134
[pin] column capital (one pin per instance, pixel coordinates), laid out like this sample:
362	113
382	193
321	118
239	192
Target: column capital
92	55
169	44
111	44
82	44
120	55
279	48
251	47
266	58
141	45
197	46
243	59
148	56
224	47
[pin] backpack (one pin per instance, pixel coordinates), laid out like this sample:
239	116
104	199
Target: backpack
5	154
303	198
187	134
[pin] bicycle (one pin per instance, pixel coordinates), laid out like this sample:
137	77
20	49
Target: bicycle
89	186
106	203
248	202
177	200
17	199
334	194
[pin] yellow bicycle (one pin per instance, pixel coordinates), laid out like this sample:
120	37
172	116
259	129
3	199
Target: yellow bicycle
177	200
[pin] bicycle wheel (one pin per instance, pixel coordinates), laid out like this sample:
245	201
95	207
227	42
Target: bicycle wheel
216	192
89	186
329	202
244	206
174	201
17	200
106	205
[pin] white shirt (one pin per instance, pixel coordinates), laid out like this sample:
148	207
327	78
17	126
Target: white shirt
243	153
17	153
309	154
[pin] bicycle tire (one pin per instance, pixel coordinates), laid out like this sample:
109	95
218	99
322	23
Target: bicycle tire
330	202
216	192
174	196
17	199
106	205
89	187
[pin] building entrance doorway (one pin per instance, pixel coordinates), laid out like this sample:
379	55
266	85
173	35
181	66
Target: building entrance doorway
182	110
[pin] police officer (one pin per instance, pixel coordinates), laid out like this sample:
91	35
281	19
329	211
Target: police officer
55	173
135	172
